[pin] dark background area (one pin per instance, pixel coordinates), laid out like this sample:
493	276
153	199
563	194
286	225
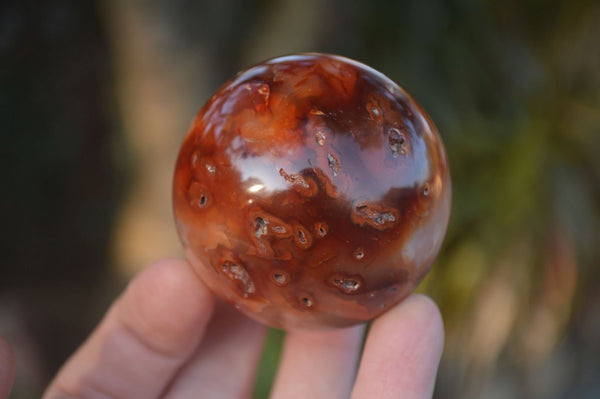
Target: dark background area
95	98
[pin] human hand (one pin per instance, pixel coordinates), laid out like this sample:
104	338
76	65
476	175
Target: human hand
167	336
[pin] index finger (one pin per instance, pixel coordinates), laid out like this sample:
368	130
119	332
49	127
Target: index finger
402	352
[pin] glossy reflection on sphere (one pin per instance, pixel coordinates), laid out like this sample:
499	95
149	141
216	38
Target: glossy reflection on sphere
311	191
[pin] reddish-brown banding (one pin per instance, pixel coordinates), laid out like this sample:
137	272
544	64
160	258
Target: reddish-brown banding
311	191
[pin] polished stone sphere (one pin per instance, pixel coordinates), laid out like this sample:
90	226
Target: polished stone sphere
311	191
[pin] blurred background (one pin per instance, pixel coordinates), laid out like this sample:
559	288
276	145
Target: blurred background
96	96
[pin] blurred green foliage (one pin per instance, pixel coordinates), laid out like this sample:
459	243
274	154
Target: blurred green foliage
268	364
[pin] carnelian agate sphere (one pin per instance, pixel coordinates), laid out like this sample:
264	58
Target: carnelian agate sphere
311	191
